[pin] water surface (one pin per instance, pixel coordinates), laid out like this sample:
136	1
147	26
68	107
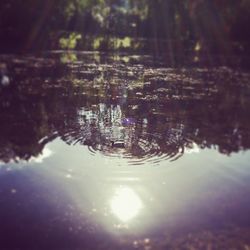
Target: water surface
101	151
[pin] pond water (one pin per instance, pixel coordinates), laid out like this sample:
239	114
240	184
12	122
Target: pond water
118	151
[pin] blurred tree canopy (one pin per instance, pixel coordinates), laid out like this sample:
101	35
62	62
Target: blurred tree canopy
39	24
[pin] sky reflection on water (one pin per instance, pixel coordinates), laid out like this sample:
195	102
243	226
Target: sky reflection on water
143	199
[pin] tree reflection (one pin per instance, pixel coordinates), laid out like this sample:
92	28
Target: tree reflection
140	113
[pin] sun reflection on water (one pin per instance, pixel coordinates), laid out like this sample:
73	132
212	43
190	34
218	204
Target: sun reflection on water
125	204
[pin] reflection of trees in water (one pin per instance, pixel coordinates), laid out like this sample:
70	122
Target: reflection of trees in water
21	129
131	111
107	129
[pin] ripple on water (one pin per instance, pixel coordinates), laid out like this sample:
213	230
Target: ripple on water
147	148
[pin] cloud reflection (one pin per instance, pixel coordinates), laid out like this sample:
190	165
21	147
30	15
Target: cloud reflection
40	158
193	149
125	204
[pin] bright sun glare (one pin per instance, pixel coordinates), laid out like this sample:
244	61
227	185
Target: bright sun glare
125	204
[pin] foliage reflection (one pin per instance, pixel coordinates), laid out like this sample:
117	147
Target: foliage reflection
122	109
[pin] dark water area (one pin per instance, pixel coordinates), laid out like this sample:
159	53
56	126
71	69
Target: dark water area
123	151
